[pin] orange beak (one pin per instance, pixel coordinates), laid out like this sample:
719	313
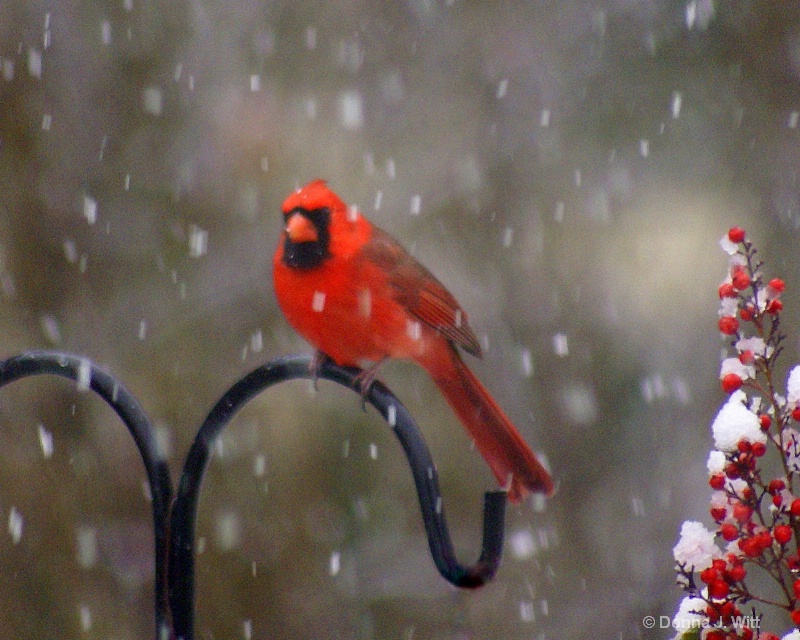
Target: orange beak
301	229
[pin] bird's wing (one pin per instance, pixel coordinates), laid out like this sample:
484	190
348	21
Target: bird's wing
418	290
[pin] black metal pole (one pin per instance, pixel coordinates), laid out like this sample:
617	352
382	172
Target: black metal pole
184	512
127	408
174	523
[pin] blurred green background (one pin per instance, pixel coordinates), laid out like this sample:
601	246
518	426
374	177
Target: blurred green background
565	167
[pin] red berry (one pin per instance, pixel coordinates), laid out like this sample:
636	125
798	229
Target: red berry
731	382
737	573
793	562
736	235
728	532
747	313
715	634
783	533
729	609
796	588
718	589
717	481
774	306
796	617
777	499
776	286
741	512
794	508
744	446
728	325
719	564
766	421
776	486
718	513
739	278
709	575
751	547
759	449
747	357
732	471
726	290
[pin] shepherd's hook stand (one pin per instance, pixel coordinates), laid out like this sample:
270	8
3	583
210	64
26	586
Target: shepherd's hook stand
174	520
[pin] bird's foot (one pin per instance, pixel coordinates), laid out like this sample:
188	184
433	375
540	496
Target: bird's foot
363	381
315	367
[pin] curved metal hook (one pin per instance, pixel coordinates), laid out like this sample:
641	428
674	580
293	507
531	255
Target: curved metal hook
175	533
127	408
184	511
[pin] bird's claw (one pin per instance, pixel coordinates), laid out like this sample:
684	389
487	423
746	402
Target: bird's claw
315	367
363	381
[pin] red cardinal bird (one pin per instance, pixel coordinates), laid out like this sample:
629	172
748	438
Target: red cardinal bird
356	295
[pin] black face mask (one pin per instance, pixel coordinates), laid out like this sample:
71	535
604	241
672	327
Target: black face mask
307	255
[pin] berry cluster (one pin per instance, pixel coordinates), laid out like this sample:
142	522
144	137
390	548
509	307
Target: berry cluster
756	512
